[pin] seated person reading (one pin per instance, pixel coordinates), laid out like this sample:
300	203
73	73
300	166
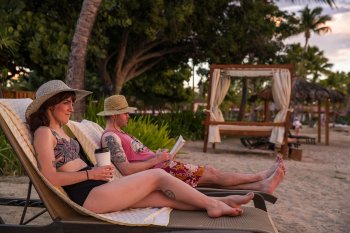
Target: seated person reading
130	156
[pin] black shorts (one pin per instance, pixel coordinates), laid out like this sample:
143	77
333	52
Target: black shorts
78	192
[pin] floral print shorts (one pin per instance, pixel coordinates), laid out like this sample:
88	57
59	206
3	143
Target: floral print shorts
188	173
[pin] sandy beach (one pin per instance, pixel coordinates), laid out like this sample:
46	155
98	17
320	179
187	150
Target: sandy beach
314	196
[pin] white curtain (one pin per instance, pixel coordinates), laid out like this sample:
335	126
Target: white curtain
219	87
281	90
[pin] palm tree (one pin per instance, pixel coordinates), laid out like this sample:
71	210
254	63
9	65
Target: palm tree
316	63
313	21
77	58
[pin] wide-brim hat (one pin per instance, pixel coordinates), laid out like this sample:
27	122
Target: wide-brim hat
48	90
114	105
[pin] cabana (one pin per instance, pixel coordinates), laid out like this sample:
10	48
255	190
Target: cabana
219	83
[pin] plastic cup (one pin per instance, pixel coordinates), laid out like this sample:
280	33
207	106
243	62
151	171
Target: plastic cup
103	156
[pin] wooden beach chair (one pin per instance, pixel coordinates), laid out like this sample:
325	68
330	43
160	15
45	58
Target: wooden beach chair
67	216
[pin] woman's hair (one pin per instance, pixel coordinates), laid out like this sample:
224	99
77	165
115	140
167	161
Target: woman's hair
40	118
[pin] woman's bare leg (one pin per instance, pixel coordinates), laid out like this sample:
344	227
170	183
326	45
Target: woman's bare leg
158	199
214	176
135	189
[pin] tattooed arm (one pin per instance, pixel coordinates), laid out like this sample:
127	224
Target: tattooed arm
119	158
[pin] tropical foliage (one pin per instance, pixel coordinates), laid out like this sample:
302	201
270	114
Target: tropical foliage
312	20
154	136
9	164
130	37
310	63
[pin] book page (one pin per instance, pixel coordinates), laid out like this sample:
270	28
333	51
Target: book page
178	145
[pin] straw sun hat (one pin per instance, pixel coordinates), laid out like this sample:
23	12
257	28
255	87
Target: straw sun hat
48	90
114	105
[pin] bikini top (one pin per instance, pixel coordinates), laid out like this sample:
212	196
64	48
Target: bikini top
65	151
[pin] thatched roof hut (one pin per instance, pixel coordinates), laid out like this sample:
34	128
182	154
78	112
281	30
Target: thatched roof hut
303	91
336	96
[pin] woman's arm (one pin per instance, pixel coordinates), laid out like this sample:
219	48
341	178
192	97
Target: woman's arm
44	143
119	158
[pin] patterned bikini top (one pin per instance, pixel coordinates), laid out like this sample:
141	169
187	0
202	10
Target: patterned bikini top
65	151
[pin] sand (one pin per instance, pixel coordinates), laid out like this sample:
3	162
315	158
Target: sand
314	196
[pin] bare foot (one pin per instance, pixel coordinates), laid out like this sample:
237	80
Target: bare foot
269	172
270	184
219	208
236	201
280	158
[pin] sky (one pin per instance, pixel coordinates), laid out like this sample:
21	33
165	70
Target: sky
336	44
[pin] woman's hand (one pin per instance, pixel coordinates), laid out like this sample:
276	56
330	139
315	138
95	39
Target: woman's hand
101	173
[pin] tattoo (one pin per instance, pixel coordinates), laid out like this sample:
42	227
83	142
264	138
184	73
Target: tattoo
169	194
117	154
54	163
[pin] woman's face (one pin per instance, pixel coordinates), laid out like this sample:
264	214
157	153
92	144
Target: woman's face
62	111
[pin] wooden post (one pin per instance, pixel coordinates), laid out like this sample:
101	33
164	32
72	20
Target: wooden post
319	121
266	111
285	149
327	121
206	129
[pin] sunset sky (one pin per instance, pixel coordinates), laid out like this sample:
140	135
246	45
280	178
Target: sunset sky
336	44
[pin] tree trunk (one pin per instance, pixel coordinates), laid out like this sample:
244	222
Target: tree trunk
347	107
132	64
76	66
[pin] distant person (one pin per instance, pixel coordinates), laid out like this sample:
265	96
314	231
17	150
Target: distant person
130	156
297	126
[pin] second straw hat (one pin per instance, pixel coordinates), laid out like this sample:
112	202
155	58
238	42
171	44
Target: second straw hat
114	105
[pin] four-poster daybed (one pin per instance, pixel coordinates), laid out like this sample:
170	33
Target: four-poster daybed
220	79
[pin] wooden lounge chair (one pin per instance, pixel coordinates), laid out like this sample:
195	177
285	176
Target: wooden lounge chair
70	217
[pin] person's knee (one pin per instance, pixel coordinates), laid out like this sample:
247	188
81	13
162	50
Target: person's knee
158	174
211	171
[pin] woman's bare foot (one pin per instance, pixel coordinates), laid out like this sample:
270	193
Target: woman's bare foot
219	208
236	201
270	184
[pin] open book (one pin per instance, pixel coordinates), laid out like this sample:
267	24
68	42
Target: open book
178	145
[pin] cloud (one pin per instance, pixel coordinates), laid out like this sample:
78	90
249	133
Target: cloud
336	44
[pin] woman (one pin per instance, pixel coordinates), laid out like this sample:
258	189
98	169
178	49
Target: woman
59	161
129	155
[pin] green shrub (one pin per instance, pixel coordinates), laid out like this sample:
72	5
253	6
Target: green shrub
151	135
9	164
92	108
185	123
